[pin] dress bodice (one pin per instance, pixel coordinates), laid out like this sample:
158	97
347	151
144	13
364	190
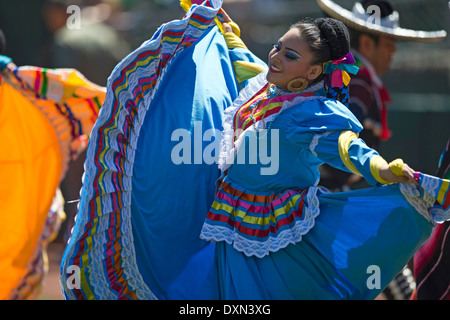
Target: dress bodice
279	153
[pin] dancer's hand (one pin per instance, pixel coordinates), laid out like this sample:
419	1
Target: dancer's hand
388	175
226	20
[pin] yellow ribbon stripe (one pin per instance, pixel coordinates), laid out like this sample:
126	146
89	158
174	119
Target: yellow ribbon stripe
246	70
187	4
257	220
444	187
376	162
345	139
345	78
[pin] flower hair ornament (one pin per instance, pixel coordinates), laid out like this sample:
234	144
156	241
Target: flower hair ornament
337	77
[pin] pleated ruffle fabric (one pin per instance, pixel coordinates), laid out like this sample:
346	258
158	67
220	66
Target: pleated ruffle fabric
149	179
45	118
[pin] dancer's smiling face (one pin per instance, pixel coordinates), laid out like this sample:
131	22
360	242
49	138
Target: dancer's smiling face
291	58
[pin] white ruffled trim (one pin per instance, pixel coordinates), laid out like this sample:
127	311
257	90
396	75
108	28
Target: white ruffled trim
422	203
260	249
227	152
424	199
100	287
439	214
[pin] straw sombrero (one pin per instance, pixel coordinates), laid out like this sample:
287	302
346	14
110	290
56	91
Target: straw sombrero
359	19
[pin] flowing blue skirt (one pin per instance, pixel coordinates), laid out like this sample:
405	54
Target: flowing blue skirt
150	181
360	241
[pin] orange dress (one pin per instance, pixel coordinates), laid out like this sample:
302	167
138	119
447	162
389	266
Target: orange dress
44	116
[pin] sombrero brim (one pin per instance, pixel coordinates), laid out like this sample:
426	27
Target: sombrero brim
336	11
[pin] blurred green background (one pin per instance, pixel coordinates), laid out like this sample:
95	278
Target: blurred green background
419	80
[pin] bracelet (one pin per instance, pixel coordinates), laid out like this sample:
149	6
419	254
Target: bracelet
396	167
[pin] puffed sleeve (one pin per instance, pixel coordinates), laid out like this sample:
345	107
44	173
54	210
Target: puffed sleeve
328	130
246	64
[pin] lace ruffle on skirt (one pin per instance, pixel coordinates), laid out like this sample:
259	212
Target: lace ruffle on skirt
260	223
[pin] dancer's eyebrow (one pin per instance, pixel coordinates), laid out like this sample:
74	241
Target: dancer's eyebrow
290	49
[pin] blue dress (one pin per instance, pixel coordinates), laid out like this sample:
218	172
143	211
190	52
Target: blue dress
144	223
281	236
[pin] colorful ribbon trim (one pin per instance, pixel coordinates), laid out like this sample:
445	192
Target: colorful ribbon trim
187	4
340	69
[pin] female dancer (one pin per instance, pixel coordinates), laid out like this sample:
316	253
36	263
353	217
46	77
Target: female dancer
275	234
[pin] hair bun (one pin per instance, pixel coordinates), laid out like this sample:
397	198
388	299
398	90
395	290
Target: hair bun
336	34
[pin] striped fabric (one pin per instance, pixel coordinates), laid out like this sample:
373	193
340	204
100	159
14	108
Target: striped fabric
100	261
242	118
433	199
270	212
69	101
438	189
259	223
30	285
46	115
266	103
443	194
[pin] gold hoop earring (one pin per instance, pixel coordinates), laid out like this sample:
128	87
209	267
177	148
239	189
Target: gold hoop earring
303	84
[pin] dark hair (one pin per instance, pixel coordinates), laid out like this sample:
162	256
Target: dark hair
328	38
